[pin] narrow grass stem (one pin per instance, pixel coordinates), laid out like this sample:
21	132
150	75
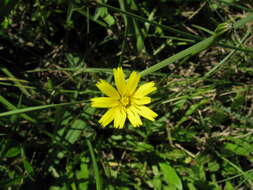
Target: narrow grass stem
36	108
187	52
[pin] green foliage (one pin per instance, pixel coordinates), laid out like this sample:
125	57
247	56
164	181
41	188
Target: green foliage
199	54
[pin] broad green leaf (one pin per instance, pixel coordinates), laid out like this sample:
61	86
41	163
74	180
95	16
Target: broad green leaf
83	174
11	182
54	188
75	131
166	187
213	166
170	175
191	186
141	146
12	152
237	149
28	167
109	19
229	186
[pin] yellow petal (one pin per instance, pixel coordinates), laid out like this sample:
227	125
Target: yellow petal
132	83
140	100
104	102
133	117
119	78
107	89
107	117
119	117
145	112
145	89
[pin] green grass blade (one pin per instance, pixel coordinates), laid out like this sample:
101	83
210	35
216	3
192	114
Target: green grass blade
187	52
16	81
191	110
229	3
95	166
124	42
137	17
203	29
217	66
233	47
36	108
83	11
140	45
204	44
80	70
10	106
246	175
243	21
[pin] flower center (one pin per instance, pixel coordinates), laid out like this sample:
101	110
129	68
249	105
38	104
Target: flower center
124	101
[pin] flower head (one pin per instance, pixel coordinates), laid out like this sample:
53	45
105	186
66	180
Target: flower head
124	101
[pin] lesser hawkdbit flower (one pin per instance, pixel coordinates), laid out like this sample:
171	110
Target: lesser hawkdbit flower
126	101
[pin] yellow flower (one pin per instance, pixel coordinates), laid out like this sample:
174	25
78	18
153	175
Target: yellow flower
127	101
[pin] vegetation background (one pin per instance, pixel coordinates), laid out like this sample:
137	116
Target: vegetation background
52	53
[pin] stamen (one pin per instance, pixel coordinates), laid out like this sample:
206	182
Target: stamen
124	101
